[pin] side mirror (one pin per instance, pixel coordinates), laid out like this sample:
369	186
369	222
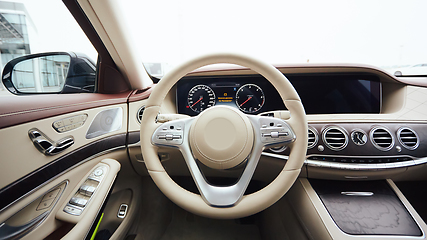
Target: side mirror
54	72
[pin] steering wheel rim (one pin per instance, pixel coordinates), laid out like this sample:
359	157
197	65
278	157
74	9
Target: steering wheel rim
248	204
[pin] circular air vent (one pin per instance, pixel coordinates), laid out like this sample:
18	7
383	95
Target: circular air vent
382	138
139	113
313	137
408	138
335	138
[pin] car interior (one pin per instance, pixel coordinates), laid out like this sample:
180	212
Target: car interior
224	146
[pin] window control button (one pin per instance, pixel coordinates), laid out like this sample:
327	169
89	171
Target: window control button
78	201
72	210
87	190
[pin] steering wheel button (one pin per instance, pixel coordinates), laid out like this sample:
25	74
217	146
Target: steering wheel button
161	137
283	134
274	134
169	137
176	136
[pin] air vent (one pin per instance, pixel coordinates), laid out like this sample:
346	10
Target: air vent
139	113
313	137
335	138
408	138
382	138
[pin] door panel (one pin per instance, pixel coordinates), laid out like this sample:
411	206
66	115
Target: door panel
74	177
27	174
19	155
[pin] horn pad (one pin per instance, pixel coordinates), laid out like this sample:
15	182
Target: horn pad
221	137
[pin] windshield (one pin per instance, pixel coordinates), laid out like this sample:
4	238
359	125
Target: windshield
386	34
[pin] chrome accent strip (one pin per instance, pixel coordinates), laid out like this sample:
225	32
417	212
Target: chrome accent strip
283	157
356	166
358	194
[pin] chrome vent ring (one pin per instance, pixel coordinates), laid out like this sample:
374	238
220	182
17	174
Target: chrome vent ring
313	137
408	138
382	138
335	138
139	113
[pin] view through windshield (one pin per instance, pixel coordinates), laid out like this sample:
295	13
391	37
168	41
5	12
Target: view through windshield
386	34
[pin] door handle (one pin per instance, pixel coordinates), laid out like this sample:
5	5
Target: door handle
46	146
15	232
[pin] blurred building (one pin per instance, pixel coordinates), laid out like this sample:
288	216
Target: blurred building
14	27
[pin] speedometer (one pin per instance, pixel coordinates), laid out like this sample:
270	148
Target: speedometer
250	98
200	97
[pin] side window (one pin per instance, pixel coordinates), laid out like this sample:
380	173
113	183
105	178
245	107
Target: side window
43	50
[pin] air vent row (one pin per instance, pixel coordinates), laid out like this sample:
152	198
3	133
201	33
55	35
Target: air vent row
408	138
335	138
382	138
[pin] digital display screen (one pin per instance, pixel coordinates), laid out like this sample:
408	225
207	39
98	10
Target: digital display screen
338	93
225	93
253	94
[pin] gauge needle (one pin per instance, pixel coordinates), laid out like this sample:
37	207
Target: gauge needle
200	99
249	98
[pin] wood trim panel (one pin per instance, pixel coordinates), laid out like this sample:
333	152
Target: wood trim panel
16	110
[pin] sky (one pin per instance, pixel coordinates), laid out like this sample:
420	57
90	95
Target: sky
381	33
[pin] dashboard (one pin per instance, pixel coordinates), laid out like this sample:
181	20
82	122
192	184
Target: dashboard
362	123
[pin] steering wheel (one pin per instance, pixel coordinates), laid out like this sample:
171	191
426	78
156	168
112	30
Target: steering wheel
222	137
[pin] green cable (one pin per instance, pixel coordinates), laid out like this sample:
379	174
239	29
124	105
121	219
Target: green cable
97	226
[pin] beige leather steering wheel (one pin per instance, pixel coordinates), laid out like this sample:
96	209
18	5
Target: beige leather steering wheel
203	138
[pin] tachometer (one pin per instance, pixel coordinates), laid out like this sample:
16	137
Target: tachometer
250	98
200	97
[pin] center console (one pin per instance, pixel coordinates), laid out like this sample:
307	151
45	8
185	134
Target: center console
354	209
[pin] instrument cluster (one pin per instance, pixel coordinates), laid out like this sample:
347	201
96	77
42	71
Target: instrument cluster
250	95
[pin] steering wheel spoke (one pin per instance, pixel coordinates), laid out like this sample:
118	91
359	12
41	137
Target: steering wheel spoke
221	196
272	131
171	134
